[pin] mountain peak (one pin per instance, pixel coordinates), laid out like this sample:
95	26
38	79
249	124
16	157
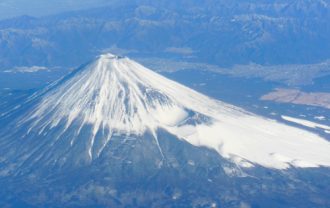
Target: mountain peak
106	56
111	92
117	97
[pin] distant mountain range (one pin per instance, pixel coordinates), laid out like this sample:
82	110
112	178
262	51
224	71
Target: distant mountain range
217	32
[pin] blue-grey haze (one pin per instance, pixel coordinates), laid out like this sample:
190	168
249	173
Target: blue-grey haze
232	50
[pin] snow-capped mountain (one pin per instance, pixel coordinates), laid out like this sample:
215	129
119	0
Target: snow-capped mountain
115	134
71	122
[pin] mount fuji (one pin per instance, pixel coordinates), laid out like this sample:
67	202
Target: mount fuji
113	123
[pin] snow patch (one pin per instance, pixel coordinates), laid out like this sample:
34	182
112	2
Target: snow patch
321	118
306	123
25	69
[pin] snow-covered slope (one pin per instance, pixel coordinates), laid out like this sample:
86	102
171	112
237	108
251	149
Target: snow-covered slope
76	118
